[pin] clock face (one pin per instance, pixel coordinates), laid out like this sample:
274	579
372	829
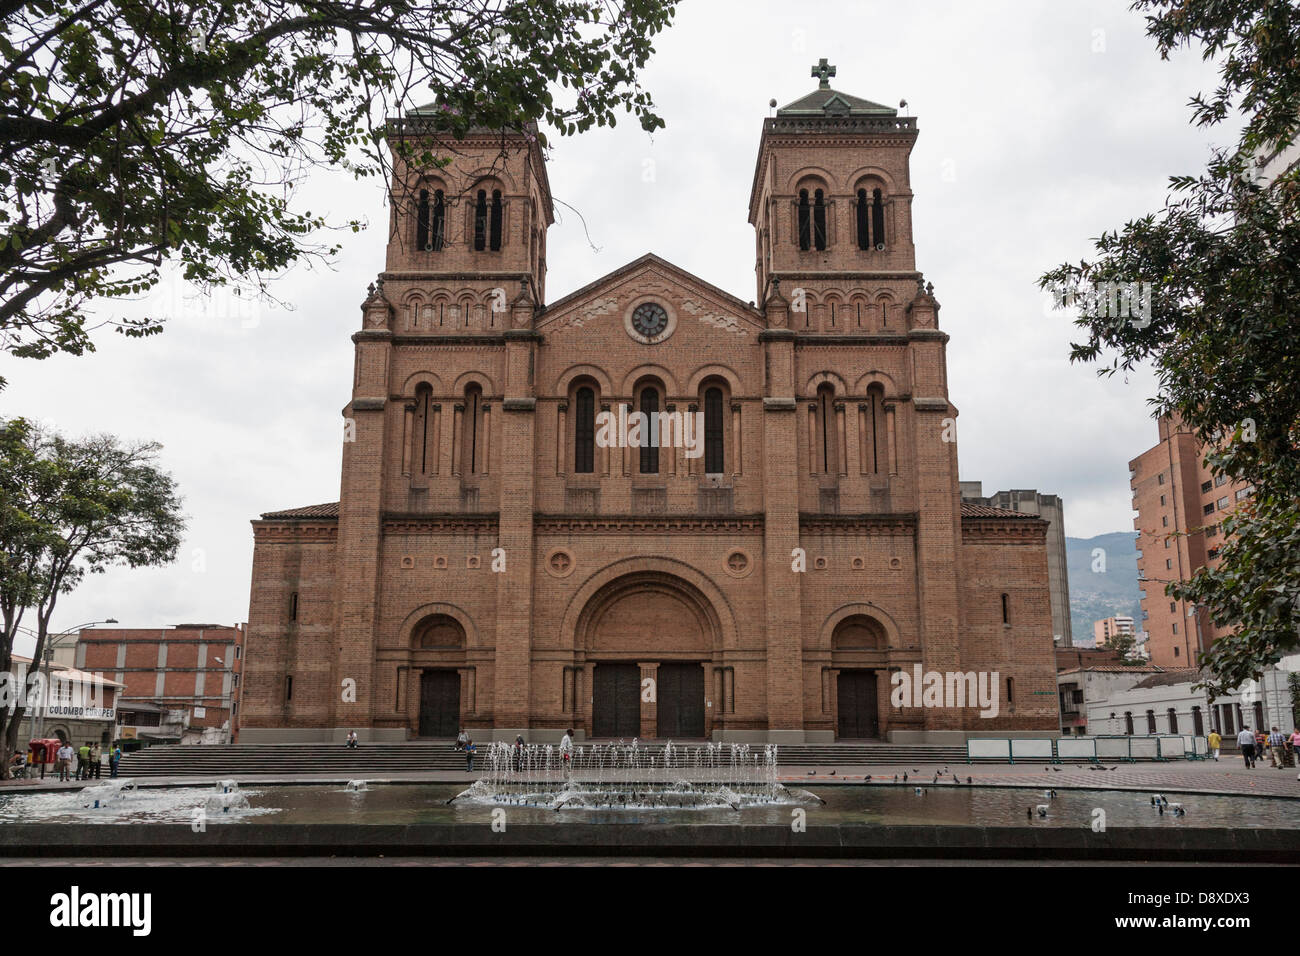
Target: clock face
649	319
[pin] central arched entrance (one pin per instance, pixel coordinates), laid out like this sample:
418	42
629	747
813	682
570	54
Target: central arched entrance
648	638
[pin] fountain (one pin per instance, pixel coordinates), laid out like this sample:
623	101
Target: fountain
226	797
622	776
107	794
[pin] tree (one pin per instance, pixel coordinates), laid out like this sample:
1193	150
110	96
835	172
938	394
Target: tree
1217	274
68	509
134	133
1125	645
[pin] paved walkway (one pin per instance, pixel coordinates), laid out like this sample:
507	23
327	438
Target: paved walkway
1182	776
1227	776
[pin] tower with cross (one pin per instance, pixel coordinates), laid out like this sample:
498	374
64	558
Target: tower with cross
823	71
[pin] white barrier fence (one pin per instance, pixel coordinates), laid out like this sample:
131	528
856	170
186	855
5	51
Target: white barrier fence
1088	749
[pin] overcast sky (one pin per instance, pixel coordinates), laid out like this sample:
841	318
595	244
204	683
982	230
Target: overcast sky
1041	124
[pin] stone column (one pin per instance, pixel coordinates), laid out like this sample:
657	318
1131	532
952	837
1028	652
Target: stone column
737	457
561	435
841	466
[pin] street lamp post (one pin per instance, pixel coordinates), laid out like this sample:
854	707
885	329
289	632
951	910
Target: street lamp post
50	642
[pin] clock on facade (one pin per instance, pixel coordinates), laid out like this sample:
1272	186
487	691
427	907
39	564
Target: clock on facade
649	319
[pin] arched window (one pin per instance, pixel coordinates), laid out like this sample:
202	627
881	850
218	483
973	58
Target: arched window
819	220
422	221
877	447
584	436
422	432
878	218
1173	721
805	221
1128	722
480	221
714	443
494	242
827	454
649	446
438	228
863	217
472	462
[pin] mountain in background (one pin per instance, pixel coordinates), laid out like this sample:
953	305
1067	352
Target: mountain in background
1095	595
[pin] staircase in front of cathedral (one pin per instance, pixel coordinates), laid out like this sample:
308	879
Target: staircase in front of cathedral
426	756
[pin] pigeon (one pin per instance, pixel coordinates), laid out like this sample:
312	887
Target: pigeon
895	778
1029	813
812	773
832	773
914	770
867	778
905	776
955	780
1177	809
1042	809
1057	769
968	779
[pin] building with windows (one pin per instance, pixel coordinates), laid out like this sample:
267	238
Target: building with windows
649	508
1179	505
180	684
66	703
1052	510
1109	628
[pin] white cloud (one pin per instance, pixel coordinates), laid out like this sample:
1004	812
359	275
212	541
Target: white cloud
1046	143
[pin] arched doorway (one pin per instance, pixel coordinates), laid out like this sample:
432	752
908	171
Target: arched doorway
431	640
856	643
648	638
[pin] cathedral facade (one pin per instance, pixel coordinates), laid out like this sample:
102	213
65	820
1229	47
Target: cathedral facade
787	560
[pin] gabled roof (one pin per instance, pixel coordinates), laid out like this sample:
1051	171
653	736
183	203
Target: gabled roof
688	278
830	102
328	510
984	511
1183	675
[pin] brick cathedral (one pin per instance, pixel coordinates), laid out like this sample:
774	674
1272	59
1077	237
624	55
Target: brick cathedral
502	559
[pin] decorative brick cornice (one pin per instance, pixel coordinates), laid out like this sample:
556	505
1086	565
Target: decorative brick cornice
647	524
485	523
434	338
776	335
902	523
1017	530
892	339
779	404
313	530
372	335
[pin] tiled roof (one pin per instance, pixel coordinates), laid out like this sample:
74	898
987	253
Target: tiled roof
1183	675
329	510
984	511
820	102
1114	669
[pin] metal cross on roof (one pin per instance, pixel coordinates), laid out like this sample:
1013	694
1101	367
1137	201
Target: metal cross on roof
823	71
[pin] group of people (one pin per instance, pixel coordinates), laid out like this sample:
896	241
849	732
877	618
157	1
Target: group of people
1283	750
88	760
465	743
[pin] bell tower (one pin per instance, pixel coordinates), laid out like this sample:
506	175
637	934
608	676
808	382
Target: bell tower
831	202
475	205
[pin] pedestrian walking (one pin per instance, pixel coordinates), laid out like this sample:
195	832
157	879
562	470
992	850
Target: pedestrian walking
1214	741
470	750
114	759
1246	741
1295	747
96	761
1277	748
63	761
